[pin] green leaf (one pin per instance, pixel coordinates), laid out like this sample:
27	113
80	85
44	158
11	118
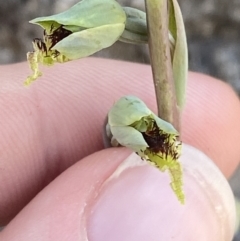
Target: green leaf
180	56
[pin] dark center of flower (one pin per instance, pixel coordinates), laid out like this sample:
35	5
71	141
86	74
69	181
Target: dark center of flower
57	35
49	40
160	142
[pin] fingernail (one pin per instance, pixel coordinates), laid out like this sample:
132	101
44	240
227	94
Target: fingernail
137	203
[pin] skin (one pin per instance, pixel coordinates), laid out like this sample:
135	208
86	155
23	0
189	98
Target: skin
56	125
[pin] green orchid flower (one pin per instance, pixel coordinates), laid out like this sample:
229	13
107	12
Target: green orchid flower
133	125
82	30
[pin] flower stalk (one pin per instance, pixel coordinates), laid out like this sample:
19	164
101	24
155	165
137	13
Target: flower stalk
160	55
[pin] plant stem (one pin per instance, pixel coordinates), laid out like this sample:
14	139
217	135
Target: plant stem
159	47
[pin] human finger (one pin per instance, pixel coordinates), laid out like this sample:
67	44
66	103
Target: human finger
113	196
58	120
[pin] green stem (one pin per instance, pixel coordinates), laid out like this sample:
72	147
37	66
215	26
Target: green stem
159	47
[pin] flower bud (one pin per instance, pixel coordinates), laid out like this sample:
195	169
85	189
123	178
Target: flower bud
135	31
136	27
133	125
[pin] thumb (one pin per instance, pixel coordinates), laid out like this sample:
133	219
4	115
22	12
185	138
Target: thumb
113	196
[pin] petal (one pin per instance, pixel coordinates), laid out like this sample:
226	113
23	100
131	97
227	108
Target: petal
127	110
89	41
87	14
165	126
129	137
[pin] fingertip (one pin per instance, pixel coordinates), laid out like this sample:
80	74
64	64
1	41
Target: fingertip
113	196
137	203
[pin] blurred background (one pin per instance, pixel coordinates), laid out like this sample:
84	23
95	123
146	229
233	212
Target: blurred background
212	26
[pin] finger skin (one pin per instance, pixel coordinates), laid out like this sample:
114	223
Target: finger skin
128	200
211	121
62	202
56	121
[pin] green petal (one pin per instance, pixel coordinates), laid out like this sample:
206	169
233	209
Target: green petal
89	41
165	126
87	14
129	137
127	110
